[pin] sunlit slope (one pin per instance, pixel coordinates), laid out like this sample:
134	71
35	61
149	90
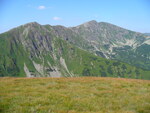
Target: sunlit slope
34	50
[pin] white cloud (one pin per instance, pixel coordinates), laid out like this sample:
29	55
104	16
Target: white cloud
56	18
96	15
41	7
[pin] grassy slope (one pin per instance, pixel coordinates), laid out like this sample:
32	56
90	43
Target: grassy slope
83	63
78	61
74	95
12	57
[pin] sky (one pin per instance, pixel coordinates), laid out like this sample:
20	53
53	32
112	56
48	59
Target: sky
130	14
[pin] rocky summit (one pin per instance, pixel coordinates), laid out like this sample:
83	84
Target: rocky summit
90	49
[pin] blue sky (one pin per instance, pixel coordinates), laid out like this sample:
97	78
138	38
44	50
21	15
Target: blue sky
130	14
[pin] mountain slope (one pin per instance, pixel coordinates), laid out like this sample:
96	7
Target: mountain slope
111	42
34	50
147	34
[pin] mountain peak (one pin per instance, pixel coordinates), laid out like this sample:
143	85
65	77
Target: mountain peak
89	24
92	22
32	24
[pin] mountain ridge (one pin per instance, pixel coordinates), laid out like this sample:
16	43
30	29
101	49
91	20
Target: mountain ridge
92	21
45	50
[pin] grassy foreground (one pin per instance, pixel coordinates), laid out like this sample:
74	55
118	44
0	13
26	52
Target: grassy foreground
74	95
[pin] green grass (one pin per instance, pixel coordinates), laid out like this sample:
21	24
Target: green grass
13	56
83	63
74	95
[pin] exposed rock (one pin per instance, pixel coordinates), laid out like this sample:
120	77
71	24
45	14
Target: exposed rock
26	70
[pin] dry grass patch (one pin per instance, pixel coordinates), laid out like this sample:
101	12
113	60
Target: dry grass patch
74	95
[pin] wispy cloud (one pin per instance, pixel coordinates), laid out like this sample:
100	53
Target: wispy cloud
96	15
57	18
41	7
